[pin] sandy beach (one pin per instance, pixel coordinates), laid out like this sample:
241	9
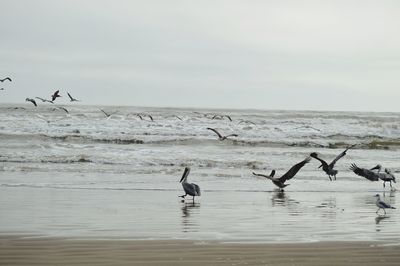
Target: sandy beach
28	250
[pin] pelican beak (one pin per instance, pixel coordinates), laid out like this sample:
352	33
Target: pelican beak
185	174
376	167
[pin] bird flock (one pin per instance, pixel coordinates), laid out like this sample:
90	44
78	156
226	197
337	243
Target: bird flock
372	174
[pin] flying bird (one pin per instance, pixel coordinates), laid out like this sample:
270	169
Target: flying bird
55	95
280	182
382	205
71	98
221	117
189	188
107	114
31	100
328	168
63	108
220	137
4	79
44	100
367	173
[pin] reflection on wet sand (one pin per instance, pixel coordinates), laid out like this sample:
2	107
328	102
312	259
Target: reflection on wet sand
379	218
189	223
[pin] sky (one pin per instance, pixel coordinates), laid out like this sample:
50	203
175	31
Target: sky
338	55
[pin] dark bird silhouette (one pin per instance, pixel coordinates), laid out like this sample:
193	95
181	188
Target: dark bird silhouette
44	100
189	188
328	168
280	182
31	100
387	176
367	173
246	122
4	79
55	95
64	109
71	98
1	89
107	114
221	117
220	137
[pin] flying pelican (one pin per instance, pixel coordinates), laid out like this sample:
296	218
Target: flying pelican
220	137
71	98
106	114
221	117
55	95
31	100
381	204
44	100
367	173
63	108
189	188
328	168
280	182
4	79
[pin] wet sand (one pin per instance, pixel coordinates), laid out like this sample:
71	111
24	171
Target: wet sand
17	250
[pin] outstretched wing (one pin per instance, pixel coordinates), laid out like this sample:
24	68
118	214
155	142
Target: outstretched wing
332	164
227	116
315	156
69	95
266	176
293	171
232	135
104	113
368	174
215	131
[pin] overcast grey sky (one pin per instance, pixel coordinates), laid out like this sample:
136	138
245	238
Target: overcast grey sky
318	55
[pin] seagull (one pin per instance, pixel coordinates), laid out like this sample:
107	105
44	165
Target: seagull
328	168
55	95
280	182
220	137
381	204
7	78
189	188
106	114
71	98
367	173
31	100
44	100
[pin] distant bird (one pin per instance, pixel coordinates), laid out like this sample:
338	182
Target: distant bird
64	109
328	168
367	173
280	182
220	137
189	188
382	205
151	118
31	100
1	89
221	117
107	114
246	122
71	98
44	100
55	95
7	78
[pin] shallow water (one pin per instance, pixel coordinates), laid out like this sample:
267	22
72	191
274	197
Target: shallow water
85	175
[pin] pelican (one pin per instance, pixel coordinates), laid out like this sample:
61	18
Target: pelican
55	95
63	108
71	98
328	168
280	182
4	79
381	204
385	177
44	100
106	114
371	175
221	117
220	137
189	188
31	100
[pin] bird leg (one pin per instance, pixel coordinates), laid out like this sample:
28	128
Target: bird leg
330	177
384	183
335	177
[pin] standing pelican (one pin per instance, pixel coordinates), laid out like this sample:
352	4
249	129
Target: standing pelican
31	100
328	168
371	175
220	137
387	176
280	182
381	204
189	188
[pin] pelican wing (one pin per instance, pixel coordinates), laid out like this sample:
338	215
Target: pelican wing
69	95
266	176
104	112
232	135
215	131
315	156
197	189
293	171
332	164
368	174
191	189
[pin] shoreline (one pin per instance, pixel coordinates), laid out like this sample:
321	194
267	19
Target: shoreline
31	250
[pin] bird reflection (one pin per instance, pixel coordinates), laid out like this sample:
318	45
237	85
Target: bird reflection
280	198
379	218
188	222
